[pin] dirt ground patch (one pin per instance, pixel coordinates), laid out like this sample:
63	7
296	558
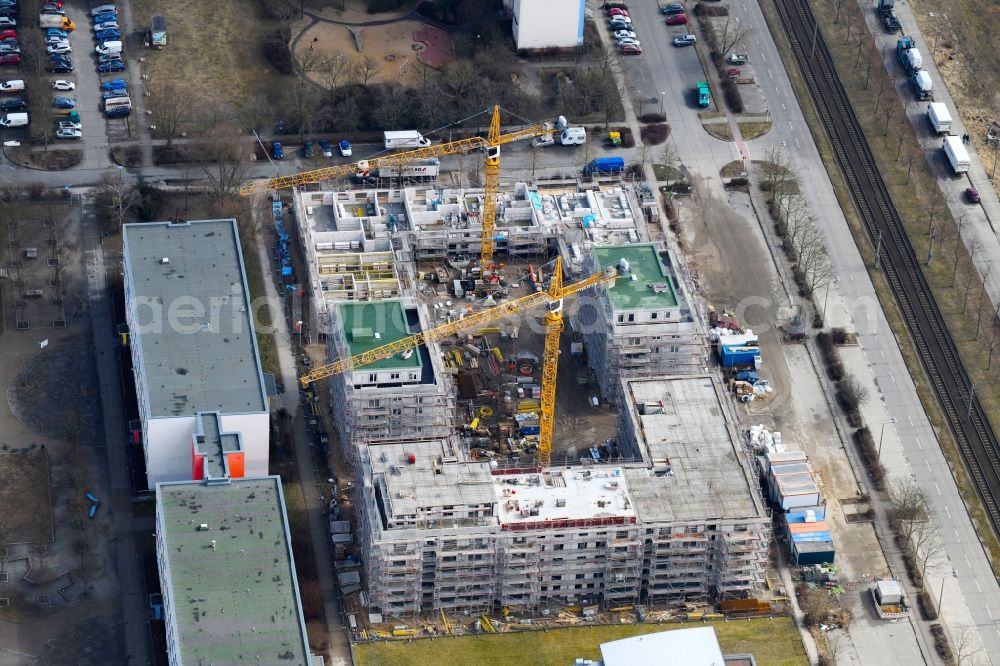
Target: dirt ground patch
214	53
25	493
48	160
391	48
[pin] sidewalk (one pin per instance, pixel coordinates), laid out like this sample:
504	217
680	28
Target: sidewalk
340	650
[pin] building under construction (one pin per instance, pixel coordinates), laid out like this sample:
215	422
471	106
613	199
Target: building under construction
445	524
685	522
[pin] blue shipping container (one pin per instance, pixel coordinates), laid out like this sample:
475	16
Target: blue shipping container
733	355
605	165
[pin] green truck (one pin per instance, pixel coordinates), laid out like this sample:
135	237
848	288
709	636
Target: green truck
704	94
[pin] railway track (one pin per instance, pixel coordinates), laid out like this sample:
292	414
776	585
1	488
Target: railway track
896	258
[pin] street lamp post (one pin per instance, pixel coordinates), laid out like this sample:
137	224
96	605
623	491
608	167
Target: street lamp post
892	419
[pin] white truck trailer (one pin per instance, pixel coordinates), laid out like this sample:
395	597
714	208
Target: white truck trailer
940	117
955	150
560	132
405	139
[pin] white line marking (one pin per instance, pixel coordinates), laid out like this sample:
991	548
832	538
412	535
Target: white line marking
928	464
919	445
783	108
756	39
771	74
976	581
989	612
967	560
938	487
797	142
948	511
957	538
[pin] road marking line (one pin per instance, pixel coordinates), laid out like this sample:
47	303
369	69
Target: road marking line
797	142
967	560
976	581
928	464
989	612
948	511
771	74
783	108
756	39
957	538
919	445
938	487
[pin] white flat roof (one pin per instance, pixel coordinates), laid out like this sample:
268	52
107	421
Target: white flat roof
563	495
698	645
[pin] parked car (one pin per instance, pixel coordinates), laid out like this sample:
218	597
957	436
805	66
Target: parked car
53	10
737	58
118	112
104	20
110	35
10	59
103	9
7	22
62	84
277	152
110	57
8	34
628	41
972	194
13	86
55	39
111	85
64	103
620	23
619	34
673	8
66	133
106	25
112	66
61	47
685	40
15	104
631	49
345	148
617	11
59	67
70	124
56	32
325	148
308	150
677	19
9	48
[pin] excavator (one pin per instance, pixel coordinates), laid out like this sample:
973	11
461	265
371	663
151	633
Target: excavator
553	298
491	144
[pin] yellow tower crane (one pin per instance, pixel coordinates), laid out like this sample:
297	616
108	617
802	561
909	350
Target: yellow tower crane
553	326
491	144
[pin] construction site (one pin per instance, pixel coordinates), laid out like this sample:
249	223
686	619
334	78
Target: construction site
449	324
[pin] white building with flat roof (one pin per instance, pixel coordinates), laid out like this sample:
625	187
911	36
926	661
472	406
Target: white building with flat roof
548	24
193	343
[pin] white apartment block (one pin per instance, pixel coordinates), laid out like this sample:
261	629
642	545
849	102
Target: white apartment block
193	343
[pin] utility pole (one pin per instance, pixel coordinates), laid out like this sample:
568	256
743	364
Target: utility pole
878	252
930	246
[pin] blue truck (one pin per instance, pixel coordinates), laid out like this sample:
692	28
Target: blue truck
604	165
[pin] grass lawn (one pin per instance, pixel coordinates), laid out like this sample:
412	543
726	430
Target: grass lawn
773	642
752	130
213	51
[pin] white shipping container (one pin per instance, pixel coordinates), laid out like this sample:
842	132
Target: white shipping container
940	117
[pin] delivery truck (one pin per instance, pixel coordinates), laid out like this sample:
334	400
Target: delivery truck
56	21
14	120
957	155
938	114
405	139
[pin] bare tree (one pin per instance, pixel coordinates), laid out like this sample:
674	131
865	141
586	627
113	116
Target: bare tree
224	161
840	4
813	260
116	199
984	298
852	393
907	507
733	33
968	650
368	69
926	544
170	109
774	169
884	84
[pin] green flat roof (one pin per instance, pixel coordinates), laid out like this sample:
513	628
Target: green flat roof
360	322
233	591
644	262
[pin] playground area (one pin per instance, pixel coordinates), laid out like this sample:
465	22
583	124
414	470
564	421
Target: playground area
392	52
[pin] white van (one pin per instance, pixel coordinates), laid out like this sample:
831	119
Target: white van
573	136
109	48
14	120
